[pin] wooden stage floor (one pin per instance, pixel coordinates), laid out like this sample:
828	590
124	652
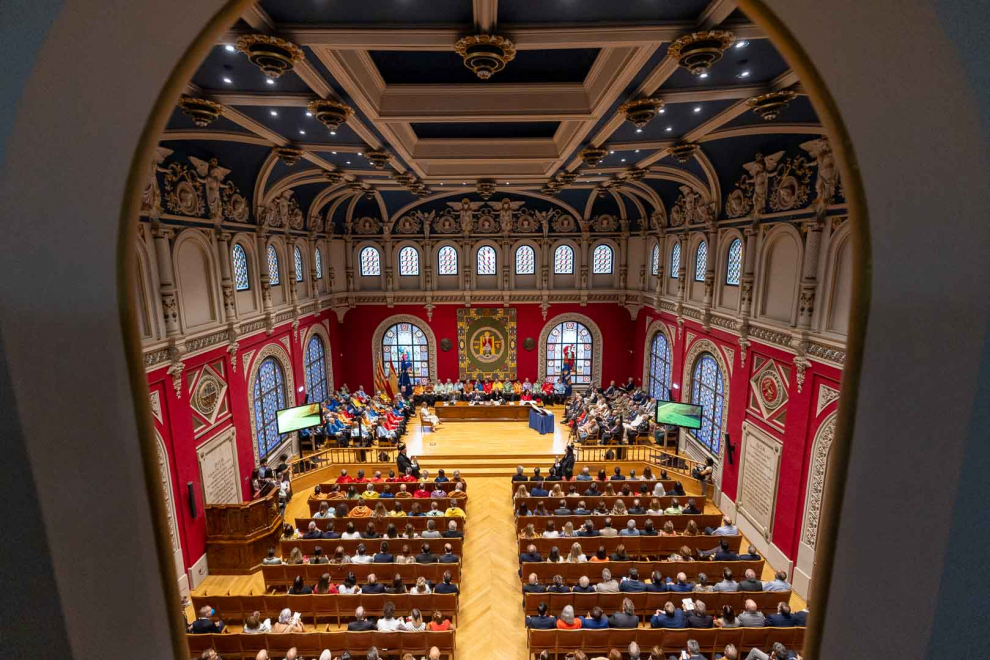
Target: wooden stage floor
487	438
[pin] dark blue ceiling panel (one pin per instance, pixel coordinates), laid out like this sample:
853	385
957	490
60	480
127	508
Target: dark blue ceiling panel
799	111
603	205
679	118
667	190
624	158
179	121
569	65
597	11
486	130
306	194
576	197
396	199
293	124
344	160
222	65
243	160
692	165
758	57
380	12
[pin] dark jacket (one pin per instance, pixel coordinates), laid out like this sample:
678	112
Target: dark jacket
330	534
539	492
562	512
695	621
520	477
427	558
623	620
781	621
589	622
360	626
542	622
632	586
444	588
315	534
202	626
726	555
448	558
530	556
750	585
663	621
578	589
457	534
558	589
375	588
383	558
534	588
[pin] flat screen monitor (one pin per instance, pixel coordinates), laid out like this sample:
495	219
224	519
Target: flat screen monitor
679	414
300	417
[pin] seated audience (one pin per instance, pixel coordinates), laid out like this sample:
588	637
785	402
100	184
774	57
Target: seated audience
668	617
607	585
625	618
727	583
779	582
596	619
750	583
288	623
567	620
542	620
298	588
697	618
632	583
751	617
388	622
728	619
446	586
254	625
204	623
360	623
783	618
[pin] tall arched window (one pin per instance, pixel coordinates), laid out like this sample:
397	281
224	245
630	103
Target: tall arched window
707	391
655	260
700	262
371	262
319	264
660	361
733	265
675	261
269	396
525	260
447	260
407	339
486	260
563	260
602	260
408	261
570	342
297	255
241	280
273	275
316	369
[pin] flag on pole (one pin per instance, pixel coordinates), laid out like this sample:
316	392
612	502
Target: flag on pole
381	384
393	379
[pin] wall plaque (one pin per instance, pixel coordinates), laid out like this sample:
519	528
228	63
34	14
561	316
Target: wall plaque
758	472
218	469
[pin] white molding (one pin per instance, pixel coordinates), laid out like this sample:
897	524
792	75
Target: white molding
198	572
774	556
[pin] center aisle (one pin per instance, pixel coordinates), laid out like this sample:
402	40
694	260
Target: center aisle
490	616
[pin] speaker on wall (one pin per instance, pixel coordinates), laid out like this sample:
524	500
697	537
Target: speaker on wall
192	499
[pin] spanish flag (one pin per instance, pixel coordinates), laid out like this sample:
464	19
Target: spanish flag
381	383
393	379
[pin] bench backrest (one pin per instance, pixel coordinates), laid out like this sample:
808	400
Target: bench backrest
282	575
636	546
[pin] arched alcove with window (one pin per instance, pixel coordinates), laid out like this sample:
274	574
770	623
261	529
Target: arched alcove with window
269	389
563	273
658	362
317	365
575	339
404	334
729	270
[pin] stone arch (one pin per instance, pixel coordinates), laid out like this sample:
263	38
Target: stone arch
687	385
318	329
173	522
431	340
656	326
596	349
277	351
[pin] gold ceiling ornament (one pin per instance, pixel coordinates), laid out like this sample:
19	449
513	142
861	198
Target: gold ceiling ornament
769	106
288	155
355	185
405	178
369	192
684	151
333	176
641	111
486	188
698	51
550	191
604	187
566	178
201	111
378	157
331	113
423	192
592	156
634	174
274	56
485	54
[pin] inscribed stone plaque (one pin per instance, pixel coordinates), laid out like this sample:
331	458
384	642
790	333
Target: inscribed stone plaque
758	478
218	469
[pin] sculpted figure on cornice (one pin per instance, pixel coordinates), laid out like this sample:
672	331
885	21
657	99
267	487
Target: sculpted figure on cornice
793	181
605	223
367	225
465	210
414	222
151	198
658	220
197	192
506	209
828	173
283	211
211	175
690	208
316	223
752	189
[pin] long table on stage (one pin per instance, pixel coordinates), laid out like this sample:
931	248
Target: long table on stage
463	412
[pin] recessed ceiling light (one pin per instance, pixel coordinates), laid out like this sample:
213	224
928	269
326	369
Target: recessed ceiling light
228	81
704	75
463	184
742	44
274	114
637	151
743	74
333	132
269	81
302	132
309	114
230	48
623	160
441	183
360	154
663	110
348	162
334	153
639	130
697	108
611	152
670	128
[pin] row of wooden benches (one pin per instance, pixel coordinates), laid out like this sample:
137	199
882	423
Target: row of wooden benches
371	546
389	502
647	603
592	501
618	522
672	642
313	607
233	646
281	576
419	523
393	486
571	573
635	485
636	546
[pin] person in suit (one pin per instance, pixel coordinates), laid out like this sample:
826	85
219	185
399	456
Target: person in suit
626	617
533	586
752	555
360	623
617	474
583	586
558	586
373	587
632	583
539	490
542	620
562	509
691	508
383	556
520	474
530	555
698	618
330	533
607	529
750	583
204	623
446	587
681	585
448	556
751	617
403	462
567	463
783	618
800	618
588	529
581	509
452	531
593	490
657	583
668	617
536	475
637	509
312	531
629	529
425	556
595	620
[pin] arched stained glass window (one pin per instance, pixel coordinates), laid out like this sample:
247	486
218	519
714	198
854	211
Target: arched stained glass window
733	266
660	361
405	343
655	260
563	260
316	370
241	280
675	261
570	343
707	391
525	260
297	255
319	264
273	275
447	260
601	260
408	261
700	262
371	262
269	396
486	260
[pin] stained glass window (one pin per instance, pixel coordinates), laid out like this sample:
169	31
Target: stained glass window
563	260
241	280
406	339
707	392
447	260
273	275
733	267
602	260
675	261
316	370
525	260
660	361
319	264
297	255
371	262
269	396
700	262
655	261
570	342
486	260
408	261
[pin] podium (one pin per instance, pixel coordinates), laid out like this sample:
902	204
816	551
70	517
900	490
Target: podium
238	535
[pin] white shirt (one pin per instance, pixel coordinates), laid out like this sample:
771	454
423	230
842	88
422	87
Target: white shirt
417	592
551	535
351	535
389	625
343	589
361	559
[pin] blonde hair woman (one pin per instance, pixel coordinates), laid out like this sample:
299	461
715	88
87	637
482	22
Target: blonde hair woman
568	529
609	491
656	509
380	511
296	556
421	587
529	532
619	509
556	491
520	492
576	555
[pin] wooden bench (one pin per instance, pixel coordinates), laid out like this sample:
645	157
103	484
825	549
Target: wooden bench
419	523
310	644
308	546
389	502
281	575
591	502
571	573
635	485
647	603
618	522
447	486
637	546
672	642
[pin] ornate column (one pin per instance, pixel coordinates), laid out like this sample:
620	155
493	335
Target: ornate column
226	284
585	240
682	267
809	272
661	268
311	242
712	238
749	270
266	282
166	279
505	282
544	283
466	269
290	255
623	256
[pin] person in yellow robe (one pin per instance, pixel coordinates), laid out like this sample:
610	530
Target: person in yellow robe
454	512
370	493
360	511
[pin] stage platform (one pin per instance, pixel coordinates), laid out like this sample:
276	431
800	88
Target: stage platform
463	412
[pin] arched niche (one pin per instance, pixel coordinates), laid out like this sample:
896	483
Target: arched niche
596	348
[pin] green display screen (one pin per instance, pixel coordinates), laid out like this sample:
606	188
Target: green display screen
300	417
679	414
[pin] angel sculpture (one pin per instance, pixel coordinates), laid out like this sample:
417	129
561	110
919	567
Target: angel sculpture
505	210
151	198
210	175
828	173
691	199
760	171
277	212
466	210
